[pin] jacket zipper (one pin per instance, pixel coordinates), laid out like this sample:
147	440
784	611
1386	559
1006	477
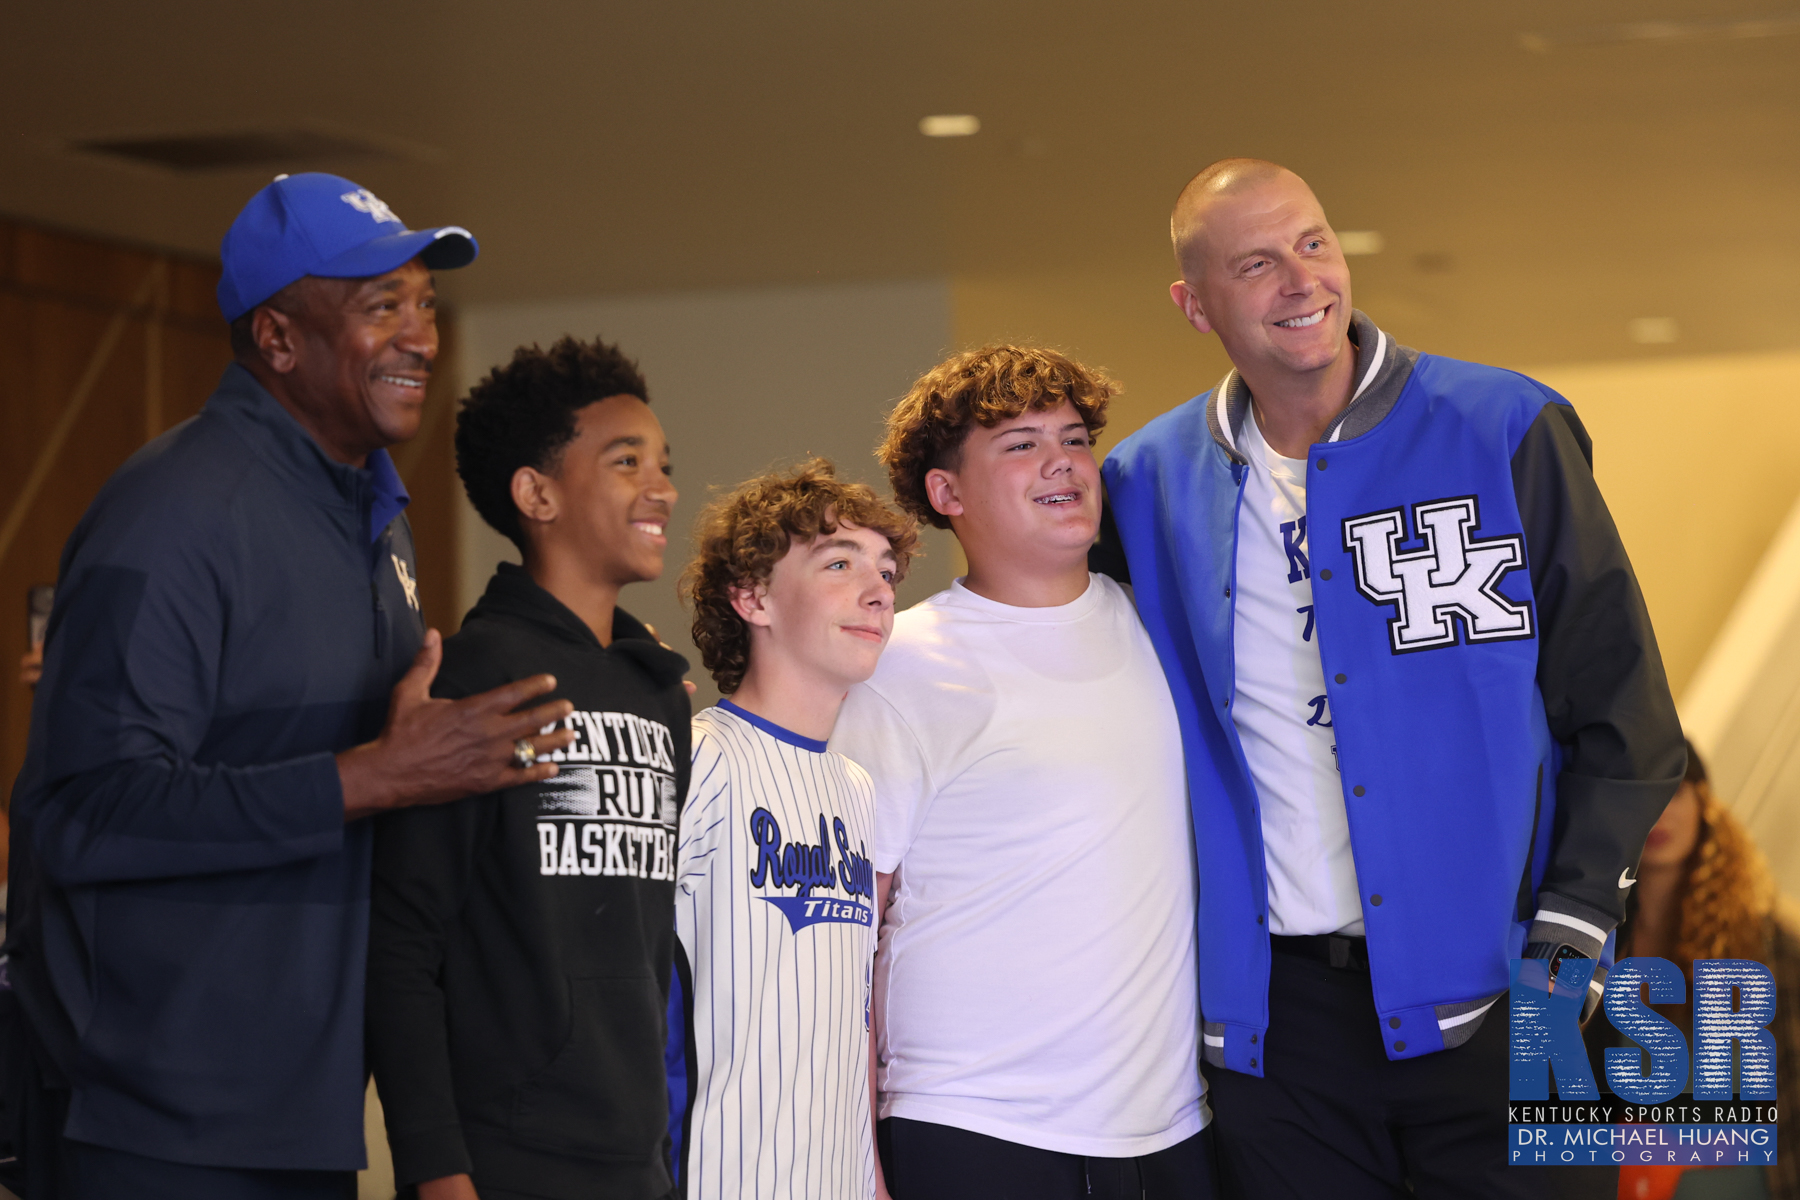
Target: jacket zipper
380	619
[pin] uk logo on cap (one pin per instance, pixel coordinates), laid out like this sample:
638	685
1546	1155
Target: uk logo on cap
363	200
327	226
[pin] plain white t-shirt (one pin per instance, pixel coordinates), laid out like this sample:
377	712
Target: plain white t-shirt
1279	706
1036	979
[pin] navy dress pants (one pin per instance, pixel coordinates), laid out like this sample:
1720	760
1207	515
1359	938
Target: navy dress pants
925	1161
1332	1116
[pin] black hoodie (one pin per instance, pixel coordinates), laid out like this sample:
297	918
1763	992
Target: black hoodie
521	942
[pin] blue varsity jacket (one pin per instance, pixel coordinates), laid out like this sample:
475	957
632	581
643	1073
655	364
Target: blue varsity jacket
1505	733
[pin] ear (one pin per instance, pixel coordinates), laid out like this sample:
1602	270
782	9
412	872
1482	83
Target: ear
1182	293
752	604
277	338
535	495
941	488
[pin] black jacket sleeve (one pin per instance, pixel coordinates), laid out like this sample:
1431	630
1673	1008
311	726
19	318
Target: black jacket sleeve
424	866
1605	694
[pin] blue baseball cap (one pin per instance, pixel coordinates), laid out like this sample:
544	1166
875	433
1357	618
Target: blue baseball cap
324	225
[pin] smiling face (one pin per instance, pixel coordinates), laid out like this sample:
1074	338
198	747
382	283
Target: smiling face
1026	490
352	358
605	502
1264	271
826	609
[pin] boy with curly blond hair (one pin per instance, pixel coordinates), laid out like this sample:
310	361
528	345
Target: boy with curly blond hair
1035	1000
792	588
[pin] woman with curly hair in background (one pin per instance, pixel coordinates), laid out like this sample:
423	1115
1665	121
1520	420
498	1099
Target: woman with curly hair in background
1703	891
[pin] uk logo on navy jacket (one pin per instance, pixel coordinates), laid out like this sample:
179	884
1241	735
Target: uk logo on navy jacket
1504	730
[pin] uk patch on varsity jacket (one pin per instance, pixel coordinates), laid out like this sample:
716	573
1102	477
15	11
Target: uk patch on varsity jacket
1441	576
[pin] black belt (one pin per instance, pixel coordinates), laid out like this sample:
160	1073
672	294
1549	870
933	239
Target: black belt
1333	949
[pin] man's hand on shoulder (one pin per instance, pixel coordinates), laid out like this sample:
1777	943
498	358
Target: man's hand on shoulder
432	751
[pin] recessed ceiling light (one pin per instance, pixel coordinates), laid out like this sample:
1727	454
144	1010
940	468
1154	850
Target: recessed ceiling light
1713	29
1653	331
949	125
1359	241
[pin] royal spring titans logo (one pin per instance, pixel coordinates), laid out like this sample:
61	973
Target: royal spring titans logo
801	867
1455	577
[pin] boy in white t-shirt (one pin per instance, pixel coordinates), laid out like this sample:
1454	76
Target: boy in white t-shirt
792	588
1036	1016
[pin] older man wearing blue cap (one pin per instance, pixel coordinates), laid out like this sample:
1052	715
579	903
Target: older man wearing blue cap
236	672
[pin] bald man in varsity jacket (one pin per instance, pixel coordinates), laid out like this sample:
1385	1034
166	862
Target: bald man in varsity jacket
1426	725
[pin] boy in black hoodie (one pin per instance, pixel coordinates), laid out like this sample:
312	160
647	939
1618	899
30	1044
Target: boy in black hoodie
521	943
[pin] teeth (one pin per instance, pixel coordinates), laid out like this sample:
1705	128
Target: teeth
1302	322
1064	498
647	527
397	381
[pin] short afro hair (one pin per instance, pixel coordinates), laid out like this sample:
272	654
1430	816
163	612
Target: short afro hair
741	536
926	430
523	414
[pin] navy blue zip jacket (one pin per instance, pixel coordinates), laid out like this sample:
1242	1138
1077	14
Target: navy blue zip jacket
190	914
1504	729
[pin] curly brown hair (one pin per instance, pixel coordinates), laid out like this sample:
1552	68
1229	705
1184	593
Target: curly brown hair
741	536
927	429
1729	909
1727	895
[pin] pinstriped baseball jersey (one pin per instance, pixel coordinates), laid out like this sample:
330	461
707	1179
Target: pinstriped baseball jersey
774	910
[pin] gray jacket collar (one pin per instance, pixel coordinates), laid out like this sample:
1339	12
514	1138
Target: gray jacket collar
1382	368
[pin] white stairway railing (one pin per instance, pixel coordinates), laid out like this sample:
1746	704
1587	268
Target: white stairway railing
1742	707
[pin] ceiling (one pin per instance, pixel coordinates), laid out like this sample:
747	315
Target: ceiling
1543	198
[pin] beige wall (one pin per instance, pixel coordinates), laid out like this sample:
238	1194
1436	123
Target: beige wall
1115	320
741	380
1696	459
1689	451
1742	707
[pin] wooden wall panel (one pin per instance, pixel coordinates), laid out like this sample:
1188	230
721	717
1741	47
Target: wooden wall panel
77	267
59	296
15	574
194	291
192	364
